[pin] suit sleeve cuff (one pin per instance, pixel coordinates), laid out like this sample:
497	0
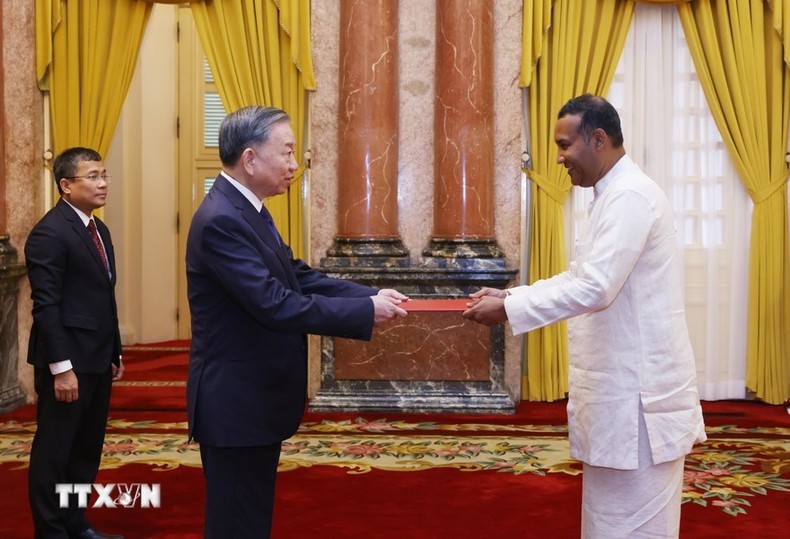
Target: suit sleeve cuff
60	366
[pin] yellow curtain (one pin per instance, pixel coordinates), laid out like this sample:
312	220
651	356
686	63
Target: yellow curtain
536	19
781	21
259	53
577	53
661	2
86	51
746	81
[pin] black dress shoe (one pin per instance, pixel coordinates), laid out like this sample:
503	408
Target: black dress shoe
90	533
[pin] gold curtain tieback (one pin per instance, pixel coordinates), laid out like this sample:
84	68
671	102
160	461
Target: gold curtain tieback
555	193
766	191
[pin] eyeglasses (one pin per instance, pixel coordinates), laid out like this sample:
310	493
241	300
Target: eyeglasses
92	178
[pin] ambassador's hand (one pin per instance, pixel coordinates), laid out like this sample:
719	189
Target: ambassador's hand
394	294
385	308
486	310
483	292
117	371
66	386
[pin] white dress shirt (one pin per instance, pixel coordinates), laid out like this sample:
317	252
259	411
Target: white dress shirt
244	190
628	339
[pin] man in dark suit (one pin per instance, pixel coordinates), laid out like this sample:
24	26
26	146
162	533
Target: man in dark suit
252	305
75	344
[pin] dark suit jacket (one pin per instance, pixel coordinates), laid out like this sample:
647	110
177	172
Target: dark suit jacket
74	312
252	305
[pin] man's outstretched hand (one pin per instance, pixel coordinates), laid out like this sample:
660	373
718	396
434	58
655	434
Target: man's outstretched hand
385	305
487	307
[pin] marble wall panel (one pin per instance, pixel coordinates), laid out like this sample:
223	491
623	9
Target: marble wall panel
423	346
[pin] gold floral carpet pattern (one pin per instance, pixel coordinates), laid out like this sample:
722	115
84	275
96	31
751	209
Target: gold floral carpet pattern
734	466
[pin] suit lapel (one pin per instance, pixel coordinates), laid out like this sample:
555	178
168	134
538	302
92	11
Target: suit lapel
258	223
82	231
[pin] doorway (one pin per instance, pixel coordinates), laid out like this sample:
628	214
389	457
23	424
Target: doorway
200	112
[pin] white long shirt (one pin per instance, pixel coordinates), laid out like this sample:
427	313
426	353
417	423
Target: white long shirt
628	342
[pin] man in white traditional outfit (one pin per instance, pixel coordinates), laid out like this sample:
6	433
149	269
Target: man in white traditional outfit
633	406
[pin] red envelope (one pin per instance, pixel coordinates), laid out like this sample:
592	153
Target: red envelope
420	305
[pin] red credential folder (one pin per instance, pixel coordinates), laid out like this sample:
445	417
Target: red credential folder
435	305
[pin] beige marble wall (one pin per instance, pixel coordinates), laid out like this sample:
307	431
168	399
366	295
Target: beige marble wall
23	123
417	44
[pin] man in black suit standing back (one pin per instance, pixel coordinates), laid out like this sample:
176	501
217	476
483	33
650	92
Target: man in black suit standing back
252	305
75	343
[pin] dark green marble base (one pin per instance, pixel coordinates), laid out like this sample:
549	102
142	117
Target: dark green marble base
464	248
479	255
11	395
370	253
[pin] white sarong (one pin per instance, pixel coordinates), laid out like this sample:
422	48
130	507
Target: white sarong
633	504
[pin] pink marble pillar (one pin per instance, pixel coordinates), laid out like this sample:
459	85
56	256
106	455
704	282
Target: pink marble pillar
464	133
367	225
2	136
11	394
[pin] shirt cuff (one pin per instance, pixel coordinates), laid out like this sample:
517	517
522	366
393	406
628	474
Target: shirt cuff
517	316
60	366
511	309
516	290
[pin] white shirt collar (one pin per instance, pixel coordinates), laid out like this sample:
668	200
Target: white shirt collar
85	218
249	195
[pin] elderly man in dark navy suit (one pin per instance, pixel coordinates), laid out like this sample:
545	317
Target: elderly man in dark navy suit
252	305
75	345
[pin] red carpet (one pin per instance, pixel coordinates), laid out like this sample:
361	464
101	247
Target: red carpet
154	378
404	475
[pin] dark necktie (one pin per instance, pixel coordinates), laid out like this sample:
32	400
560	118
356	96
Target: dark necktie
97	242
282	253
270	223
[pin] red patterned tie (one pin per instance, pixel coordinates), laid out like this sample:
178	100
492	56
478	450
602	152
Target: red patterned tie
97	242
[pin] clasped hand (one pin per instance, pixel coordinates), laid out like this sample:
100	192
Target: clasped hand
487	307
385	305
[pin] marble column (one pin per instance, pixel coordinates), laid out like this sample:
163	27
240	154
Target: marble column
11	395
463	223
367	231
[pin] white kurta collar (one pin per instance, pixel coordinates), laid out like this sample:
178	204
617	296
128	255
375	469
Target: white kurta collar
622	164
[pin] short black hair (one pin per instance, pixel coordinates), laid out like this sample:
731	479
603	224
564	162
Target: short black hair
596	113
65	164
246	127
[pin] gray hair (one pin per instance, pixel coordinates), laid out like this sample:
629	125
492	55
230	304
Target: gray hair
246	127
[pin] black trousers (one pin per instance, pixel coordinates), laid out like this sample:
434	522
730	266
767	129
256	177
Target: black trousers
239	490
67	448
